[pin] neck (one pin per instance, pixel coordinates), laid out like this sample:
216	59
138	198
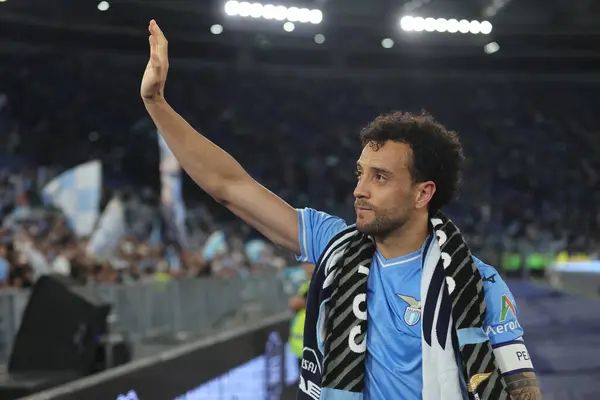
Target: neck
405	240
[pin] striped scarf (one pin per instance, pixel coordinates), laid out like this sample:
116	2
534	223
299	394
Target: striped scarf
453	307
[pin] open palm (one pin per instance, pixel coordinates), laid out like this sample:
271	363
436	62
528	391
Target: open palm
155	75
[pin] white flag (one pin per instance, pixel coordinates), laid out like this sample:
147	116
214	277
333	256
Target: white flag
77	193
111	228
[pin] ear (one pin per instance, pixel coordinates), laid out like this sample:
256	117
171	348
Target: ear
424	194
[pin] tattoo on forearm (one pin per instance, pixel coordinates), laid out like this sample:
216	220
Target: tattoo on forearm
523	386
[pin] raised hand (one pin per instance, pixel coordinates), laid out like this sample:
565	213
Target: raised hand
155	75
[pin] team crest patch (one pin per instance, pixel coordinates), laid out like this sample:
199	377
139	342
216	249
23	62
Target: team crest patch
412	314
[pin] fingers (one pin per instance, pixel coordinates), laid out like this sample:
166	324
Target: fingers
155	29
157	33
158	41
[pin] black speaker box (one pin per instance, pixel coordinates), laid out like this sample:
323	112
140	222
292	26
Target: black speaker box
60	328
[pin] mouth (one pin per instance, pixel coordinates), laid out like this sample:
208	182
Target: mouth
357	208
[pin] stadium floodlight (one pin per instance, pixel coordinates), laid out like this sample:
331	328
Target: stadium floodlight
270	11
430	24
491	48
316	16
486	27
292	14
245	9
387	43
418	24
319	38
474	27
441	25
216	29
407	23
453	25
280	13
289	26
103	5
256	10
464	26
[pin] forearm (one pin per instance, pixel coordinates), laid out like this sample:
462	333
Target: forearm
207	164
523	386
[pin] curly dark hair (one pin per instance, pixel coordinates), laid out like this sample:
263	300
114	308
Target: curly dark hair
437	154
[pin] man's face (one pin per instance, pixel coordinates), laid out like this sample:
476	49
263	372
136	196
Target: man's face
385	194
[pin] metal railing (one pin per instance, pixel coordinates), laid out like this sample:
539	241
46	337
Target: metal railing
174	309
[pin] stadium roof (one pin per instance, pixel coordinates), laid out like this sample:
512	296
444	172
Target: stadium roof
549	33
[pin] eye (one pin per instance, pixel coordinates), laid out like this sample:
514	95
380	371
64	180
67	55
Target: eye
380	178
357	173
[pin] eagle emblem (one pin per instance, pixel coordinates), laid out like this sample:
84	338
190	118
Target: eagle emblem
412	314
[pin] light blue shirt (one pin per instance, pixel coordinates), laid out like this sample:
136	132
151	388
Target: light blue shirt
394	360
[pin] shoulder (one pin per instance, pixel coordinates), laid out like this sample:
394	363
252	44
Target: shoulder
492	281
495	289
314	218
501	322
315	230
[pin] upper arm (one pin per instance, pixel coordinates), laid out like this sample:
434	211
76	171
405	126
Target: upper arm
505	333
315	230
264	211
502	314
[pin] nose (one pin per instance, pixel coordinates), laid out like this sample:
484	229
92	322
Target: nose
361	191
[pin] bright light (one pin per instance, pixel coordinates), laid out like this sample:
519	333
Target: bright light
464	26
407	23
319	38
103	5
2	1
486	27
387	43
316	16
474	27
232	8
418	24
216	29
430	24
304	15
452	25
293	13
491	48
280	13
289	27
256	10
441	25
245	9
269	11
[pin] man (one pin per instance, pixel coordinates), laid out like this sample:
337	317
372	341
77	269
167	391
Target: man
409	167
298	304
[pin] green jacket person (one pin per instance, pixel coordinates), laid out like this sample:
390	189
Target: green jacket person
298	304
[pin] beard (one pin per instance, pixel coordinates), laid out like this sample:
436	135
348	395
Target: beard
382	224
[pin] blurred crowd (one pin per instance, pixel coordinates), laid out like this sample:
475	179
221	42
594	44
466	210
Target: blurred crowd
531	182
40	241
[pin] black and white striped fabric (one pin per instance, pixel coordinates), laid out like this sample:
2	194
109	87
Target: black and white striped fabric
453	308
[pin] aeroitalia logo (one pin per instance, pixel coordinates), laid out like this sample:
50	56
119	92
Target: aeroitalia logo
507	306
